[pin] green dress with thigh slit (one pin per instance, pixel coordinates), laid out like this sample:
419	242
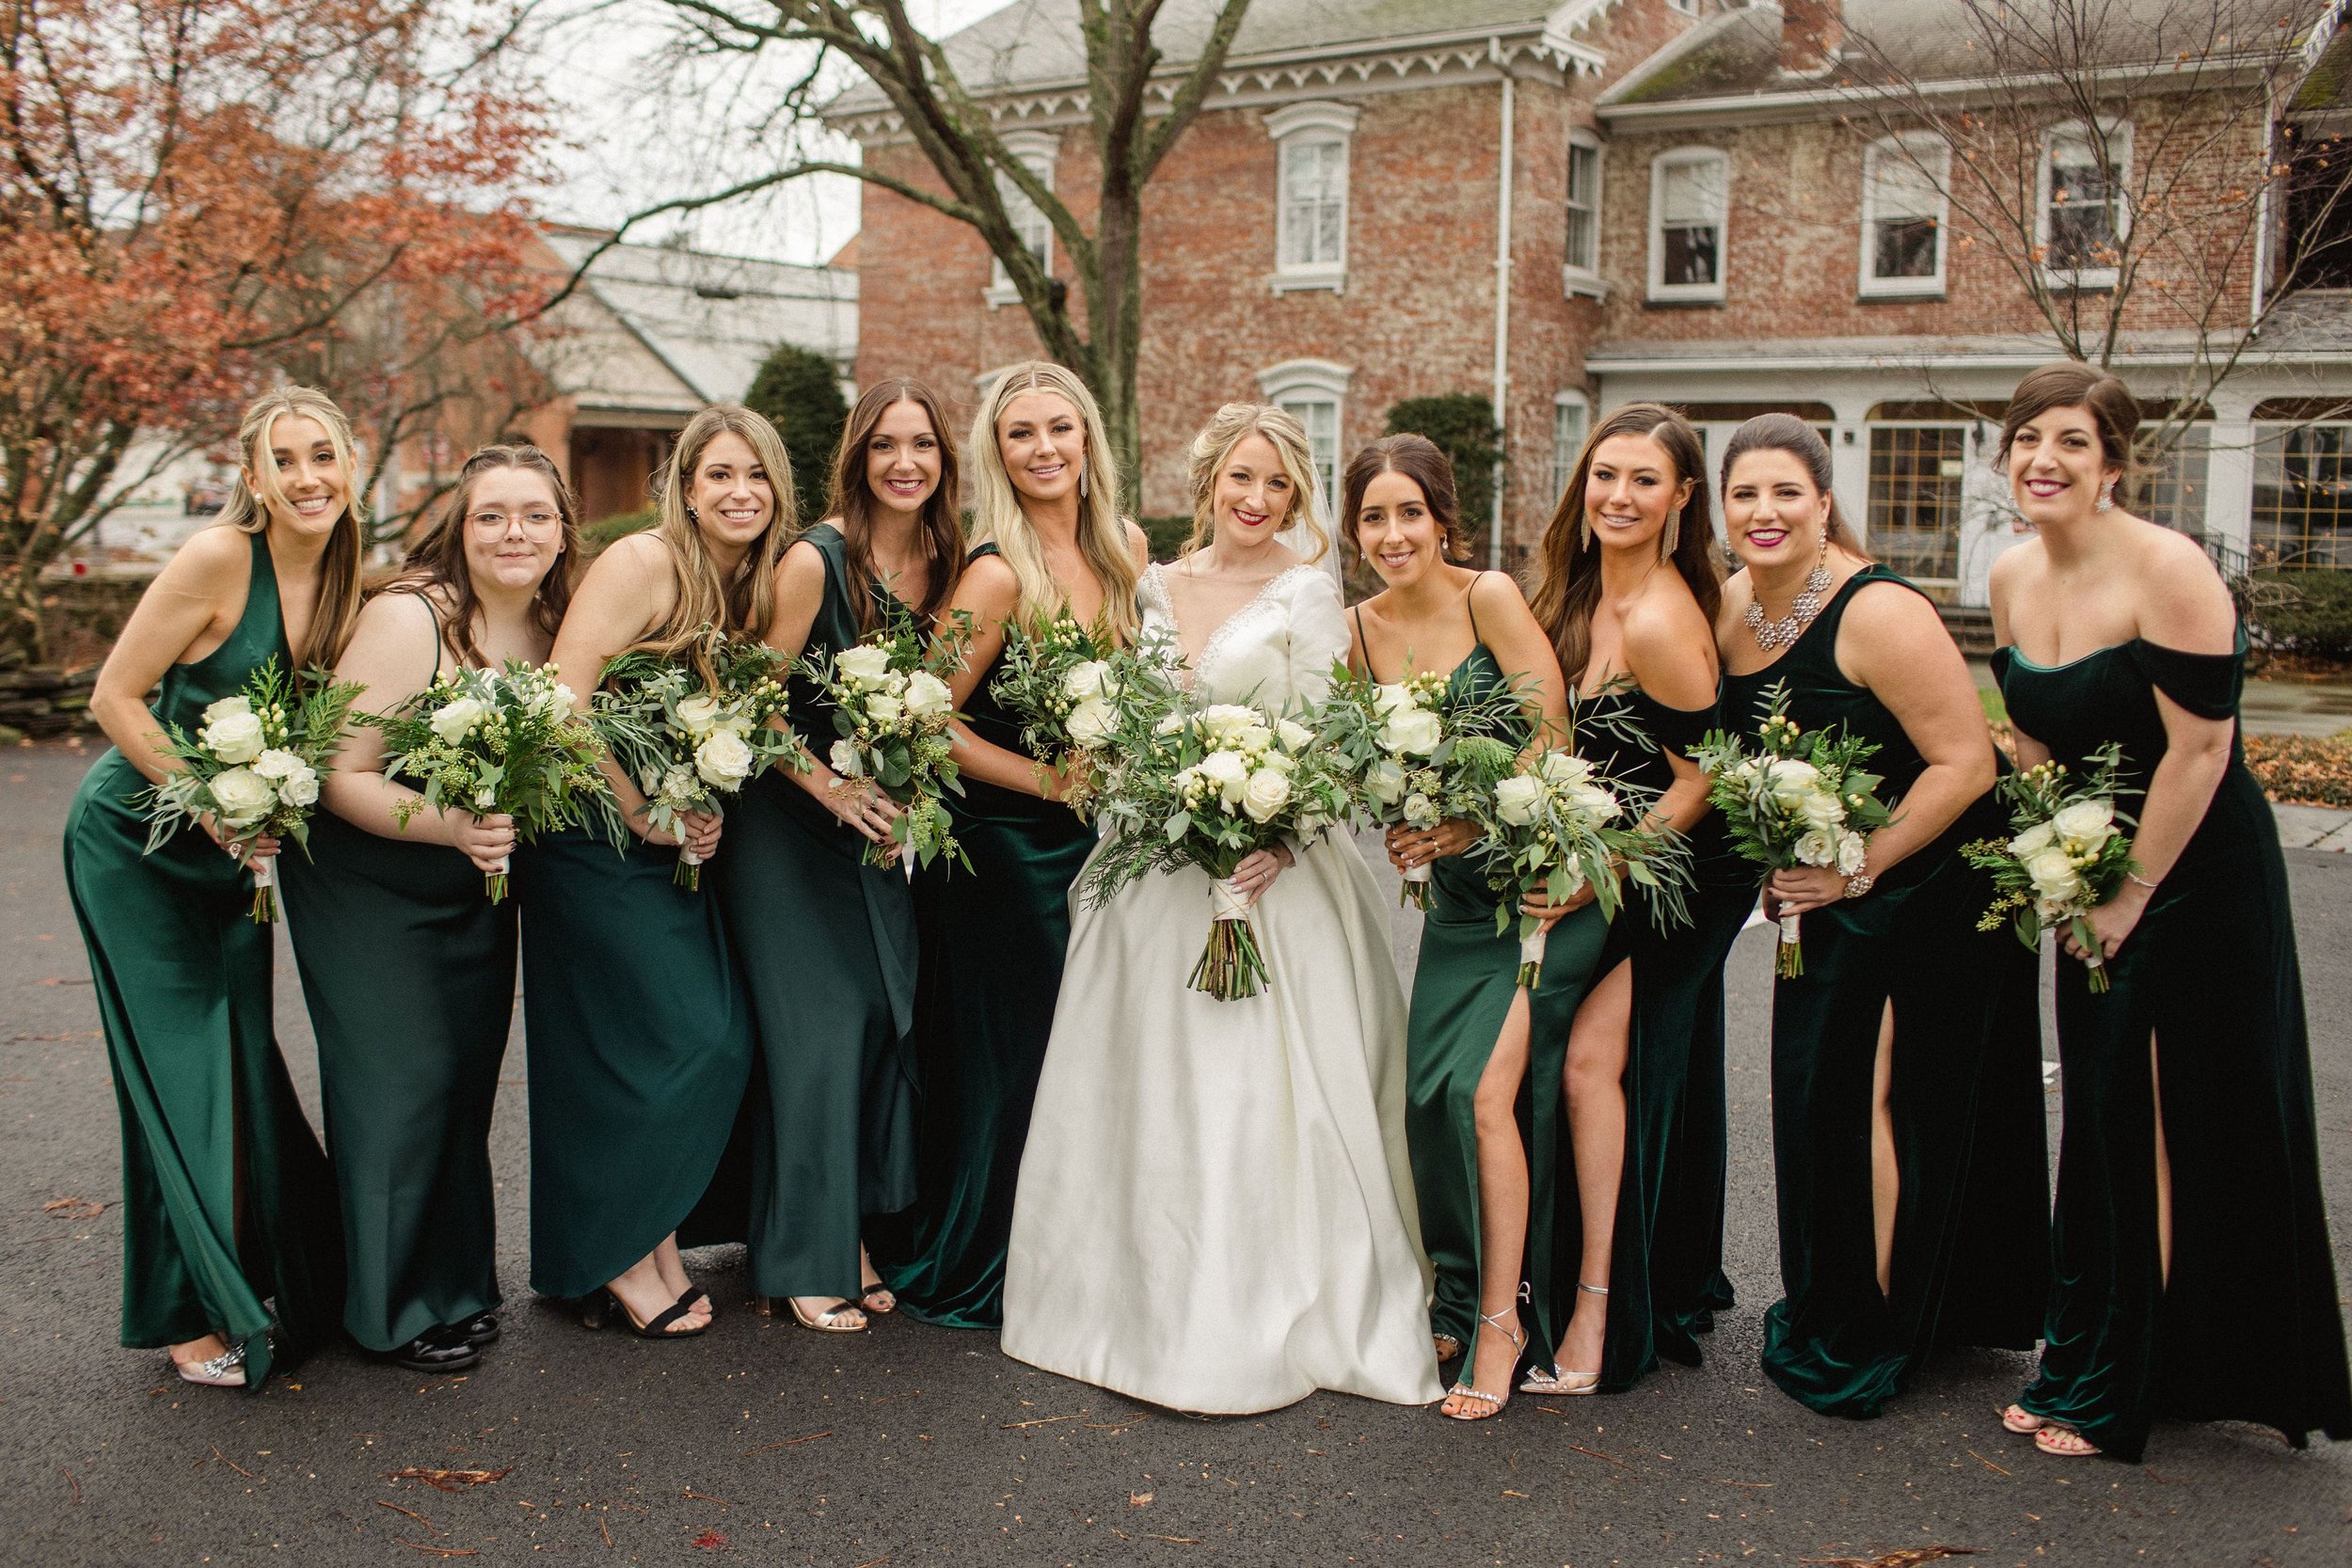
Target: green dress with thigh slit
992	941
2248	1328
829	952
1972	1214
227	1205
409	973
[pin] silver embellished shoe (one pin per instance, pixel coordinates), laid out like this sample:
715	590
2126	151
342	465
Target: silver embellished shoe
224	1371
1557	1382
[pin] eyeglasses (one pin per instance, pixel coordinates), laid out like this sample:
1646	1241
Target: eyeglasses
497	522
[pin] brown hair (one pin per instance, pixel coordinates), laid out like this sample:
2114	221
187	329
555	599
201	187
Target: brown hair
852	499
741	602
1787	432
336	608
1418	459
439	559
1568	589
2072	384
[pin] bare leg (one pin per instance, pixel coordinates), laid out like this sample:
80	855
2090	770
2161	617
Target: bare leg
644	1295
673	1275
188	1352
1886	1174
2164	1169
1598	1044
1502	1208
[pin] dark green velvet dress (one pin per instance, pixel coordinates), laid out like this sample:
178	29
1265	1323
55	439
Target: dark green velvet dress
409	973
992	941
1463	987
227	1204
1972	1215
640	1049
1666	1277
828	944
2248	1328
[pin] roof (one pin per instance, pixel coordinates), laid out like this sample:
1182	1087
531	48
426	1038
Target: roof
664	329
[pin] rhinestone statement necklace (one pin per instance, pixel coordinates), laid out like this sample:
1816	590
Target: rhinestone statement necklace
1772	636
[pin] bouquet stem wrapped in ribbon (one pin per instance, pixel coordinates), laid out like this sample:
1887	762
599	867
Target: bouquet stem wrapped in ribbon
893	711
499	742
254	767
2068	856
1791	799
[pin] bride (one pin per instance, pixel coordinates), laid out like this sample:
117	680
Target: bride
1216	1212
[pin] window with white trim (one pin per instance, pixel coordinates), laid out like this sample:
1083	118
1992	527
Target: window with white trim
1036	150
1904	179
1690	193
1570	416
1313	392
1310	142
1583	203
2084	215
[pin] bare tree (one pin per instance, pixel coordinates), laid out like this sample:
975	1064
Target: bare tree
1138	105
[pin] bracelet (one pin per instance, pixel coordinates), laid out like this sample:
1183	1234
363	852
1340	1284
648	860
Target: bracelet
2143	881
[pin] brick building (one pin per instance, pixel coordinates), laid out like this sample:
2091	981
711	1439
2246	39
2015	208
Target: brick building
1566	207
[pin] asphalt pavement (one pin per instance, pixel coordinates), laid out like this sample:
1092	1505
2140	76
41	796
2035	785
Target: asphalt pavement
914	1445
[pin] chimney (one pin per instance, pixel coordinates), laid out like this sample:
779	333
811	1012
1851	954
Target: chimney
1811	33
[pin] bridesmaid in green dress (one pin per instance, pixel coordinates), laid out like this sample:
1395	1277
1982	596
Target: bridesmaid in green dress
1639	1210
1907	1109
230	1256
408	969
992	939
1482	1055
2192	1265
640	1043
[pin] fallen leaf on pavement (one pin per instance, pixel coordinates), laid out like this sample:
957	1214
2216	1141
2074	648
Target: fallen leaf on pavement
448	1480
1910	1556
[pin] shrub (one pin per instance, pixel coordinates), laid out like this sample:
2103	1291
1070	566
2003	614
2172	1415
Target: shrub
603	532
799	392
1462	424
2307	613
2303	769
1168	535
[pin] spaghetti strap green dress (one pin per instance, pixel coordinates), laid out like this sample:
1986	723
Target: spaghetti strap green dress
1666	1279
1463	987
409	973
1972	1217
992	941
639	1048
228	1203
829	952
2248	1328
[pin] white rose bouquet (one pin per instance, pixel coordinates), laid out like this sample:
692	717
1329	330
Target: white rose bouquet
1054	676
1790	798
499	742
254	767
1555	825
1193	786
1419	751
2068	856
692	731
893	711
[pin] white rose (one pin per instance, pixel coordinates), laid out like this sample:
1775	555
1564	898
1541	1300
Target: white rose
1295	737
1223	720
1419	811
1268	792
456	716
1596	802
1414	729
1817	847
844	760
242	796
2053	876
1084	680
927	694
1252	738
1821	810
1169	723
1516	799
227	705
2032	841
277	764
1852	850
867	666
1386	700
301	787
233	737
723	760
485	799
1384	780
553	698
1791	781
1563	768
1090	722
677	783
882	708
1226	773
2084	825
698	713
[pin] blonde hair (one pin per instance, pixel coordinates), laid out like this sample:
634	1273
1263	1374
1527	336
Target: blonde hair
337	608
744	600
1227	429
997	517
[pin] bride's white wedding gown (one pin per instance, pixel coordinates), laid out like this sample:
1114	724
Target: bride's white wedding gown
1216	1212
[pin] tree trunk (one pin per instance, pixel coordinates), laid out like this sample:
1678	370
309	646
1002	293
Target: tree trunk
1117	331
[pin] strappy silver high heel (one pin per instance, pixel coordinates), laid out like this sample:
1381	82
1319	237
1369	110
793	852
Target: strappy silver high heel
1494	1402
224	1371
1568	1384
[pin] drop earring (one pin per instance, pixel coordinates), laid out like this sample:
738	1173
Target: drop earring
2107	498
1671	535
1082	485
1584	532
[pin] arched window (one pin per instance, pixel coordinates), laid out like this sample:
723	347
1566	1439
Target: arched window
1311	143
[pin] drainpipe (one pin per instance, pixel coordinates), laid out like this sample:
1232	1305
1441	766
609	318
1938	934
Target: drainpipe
1503	302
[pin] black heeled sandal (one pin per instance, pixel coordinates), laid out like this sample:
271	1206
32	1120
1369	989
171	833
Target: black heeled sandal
659	1327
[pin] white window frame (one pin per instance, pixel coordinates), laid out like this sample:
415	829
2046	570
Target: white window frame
1688	8
2117	132
1575	277
1563	453
1917	153
1317	123
1660	290
1038	150
1314	381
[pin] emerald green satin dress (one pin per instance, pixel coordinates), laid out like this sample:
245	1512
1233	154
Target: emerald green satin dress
409	973
828	944
2249	1328
1972	1218
1463	987
228	1203
1666	1279
992	941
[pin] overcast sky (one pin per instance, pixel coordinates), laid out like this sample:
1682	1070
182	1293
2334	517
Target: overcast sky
643	127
